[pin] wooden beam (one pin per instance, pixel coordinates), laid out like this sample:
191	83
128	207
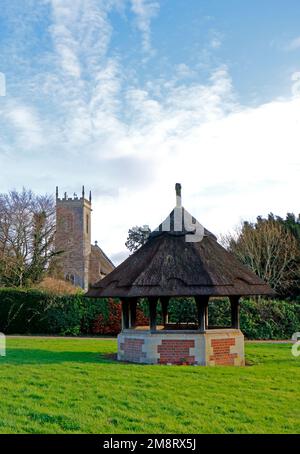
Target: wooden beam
125	314
235	311
164	300
152	313
202	312
132	311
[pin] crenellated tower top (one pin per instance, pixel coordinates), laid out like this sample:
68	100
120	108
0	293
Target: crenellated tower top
75	197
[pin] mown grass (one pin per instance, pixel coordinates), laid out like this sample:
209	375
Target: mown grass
72	386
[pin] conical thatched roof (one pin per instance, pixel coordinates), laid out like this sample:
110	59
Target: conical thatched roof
181	258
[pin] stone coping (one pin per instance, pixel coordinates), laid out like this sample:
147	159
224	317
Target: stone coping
161	332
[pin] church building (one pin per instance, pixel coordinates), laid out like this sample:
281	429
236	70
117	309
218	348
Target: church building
80	262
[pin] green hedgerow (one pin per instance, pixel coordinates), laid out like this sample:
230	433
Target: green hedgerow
31	311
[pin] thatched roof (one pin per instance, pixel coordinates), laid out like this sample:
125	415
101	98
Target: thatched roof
173	264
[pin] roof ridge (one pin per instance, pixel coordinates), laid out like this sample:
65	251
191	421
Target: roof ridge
103	253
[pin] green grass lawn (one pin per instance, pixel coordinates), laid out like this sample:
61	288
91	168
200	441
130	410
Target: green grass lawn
72	385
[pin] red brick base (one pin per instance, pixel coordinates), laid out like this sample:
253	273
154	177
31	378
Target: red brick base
176	352
221	349
132	349
212	348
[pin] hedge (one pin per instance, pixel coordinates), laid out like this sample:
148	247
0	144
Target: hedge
260	318
32	311
39	312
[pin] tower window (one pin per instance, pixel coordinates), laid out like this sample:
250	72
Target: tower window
87	223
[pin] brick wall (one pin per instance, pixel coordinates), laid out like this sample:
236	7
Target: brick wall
176	351
132	349
221	351
215	347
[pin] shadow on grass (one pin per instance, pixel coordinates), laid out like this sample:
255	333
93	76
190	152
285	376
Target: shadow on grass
39	356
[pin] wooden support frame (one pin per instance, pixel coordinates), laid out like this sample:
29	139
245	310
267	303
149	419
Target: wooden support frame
152	313
125	314
129	306
202	312
132	312
235	311
164	300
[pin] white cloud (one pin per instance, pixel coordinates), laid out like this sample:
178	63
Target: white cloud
216	39
2	84
131	142
294	44
215	43
295	78
25	124
234	162
184	71
145	11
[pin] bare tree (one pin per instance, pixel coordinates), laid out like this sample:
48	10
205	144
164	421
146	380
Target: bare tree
27	229
270	250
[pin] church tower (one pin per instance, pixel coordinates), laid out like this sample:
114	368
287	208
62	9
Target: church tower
73	237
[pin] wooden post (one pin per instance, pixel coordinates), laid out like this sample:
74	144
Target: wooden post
132	305
152	313
202	312
125	314
206	314
164	300
235	311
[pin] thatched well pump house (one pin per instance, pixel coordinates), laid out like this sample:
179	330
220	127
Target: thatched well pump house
180	259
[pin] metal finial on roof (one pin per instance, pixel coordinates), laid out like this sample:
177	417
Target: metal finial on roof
178	194
96	243
90	197
83	192
57	192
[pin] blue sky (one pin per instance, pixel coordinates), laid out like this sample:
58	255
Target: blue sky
130	96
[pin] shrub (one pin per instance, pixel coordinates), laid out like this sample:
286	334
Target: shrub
32	311
182	310
57	287
260	318
64	316
219	312
110	322
37	312
20	309
94	307
269	319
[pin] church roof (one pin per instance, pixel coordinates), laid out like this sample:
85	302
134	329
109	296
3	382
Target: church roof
106	264
181	258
